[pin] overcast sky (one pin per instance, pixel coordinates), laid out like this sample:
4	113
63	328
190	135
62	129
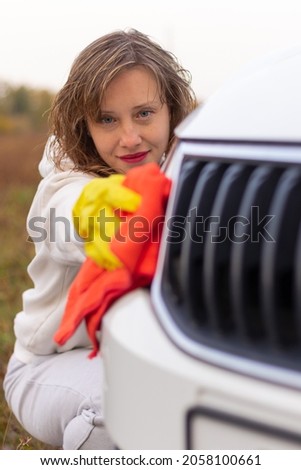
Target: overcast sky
212	38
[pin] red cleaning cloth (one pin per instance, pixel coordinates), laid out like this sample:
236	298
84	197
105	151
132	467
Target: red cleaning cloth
136	244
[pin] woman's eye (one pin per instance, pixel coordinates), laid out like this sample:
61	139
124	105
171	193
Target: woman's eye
145	113
106	120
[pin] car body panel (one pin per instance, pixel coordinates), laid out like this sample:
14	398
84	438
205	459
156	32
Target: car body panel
163	390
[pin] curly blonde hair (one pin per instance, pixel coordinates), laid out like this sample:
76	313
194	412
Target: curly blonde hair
91	73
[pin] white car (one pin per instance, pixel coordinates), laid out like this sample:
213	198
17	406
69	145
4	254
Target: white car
210	356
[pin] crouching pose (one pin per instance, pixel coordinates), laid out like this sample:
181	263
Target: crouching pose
118	110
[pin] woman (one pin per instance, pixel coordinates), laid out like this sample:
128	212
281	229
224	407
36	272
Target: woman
118	109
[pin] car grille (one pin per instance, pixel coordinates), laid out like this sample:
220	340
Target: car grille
231	276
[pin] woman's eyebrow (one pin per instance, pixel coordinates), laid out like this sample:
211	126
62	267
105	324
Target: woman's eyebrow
138	106
148	103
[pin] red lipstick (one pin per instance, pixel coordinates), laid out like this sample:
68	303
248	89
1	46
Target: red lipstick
134	157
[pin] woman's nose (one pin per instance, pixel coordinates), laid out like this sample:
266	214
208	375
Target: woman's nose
130	136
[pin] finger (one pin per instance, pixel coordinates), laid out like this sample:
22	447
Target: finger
121	197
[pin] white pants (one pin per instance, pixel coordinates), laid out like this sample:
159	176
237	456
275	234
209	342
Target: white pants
57	399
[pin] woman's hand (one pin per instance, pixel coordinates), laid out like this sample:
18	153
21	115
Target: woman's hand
96	218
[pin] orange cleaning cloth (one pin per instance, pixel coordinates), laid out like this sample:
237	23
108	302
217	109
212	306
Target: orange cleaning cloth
136	244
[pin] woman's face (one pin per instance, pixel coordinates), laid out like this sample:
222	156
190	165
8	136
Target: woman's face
133	125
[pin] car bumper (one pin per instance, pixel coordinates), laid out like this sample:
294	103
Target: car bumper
158	397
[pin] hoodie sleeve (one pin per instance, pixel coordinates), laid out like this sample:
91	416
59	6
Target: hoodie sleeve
49	223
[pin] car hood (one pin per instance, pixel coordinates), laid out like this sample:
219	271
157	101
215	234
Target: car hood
260	103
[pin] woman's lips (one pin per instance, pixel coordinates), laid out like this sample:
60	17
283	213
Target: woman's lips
134	157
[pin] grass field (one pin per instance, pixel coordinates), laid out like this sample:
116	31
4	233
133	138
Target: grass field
19	157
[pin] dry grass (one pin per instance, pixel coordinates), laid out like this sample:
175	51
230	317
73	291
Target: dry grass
19	157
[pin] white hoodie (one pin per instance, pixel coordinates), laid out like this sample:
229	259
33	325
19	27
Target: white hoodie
59	255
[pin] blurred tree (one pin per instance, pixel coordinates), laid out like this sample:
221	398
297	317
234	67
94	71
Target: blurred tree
40	106
23	108
20	100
